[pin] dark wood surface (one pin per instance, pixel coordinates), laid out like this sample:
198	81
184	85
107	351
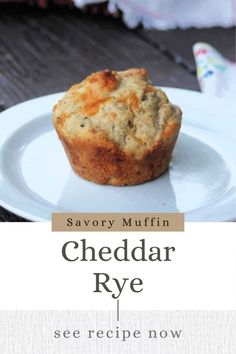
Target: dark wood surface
178	43
43	52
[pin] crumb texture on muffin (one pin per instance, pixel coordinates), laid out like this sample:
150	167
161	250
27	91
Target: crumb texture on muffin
117	121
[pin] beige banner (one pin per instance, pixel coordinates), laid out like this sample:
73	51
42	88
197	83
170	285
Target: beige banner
118	222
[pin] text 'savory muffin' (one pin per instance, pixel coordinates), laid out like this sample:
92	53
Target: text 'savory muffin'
117	128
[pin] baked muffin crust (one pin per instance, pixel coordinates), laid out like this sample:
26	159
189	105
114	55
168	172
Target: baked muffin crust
117	121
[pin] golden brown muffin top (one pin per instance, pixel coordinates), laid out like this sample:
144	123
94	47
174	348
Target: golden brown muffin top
121	106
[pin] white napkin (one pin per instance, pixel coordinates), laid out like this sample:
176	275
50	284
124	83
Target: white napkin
216	74
167	14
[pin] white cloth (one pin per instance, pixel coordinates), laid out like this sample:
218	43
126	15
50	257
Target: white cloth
169	14
82	3
216	74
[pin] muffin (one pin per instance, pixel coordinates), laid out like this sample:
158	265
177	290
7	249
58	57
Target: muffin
117	128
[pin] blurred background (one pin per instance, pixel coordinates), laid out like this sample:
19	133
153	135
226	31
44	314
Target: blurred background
46	45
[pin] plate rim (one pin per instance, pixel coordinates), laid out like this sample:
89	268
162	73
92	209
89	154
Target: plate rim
58	95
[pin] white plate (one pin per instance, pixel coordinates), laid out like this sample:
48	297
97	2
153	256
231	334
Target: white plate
36	179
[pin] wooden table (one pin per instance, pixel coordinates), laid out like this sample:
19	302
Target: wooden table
43	52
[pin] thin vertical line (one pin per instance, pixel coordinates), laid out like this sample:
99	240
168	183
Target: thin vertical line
118	310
